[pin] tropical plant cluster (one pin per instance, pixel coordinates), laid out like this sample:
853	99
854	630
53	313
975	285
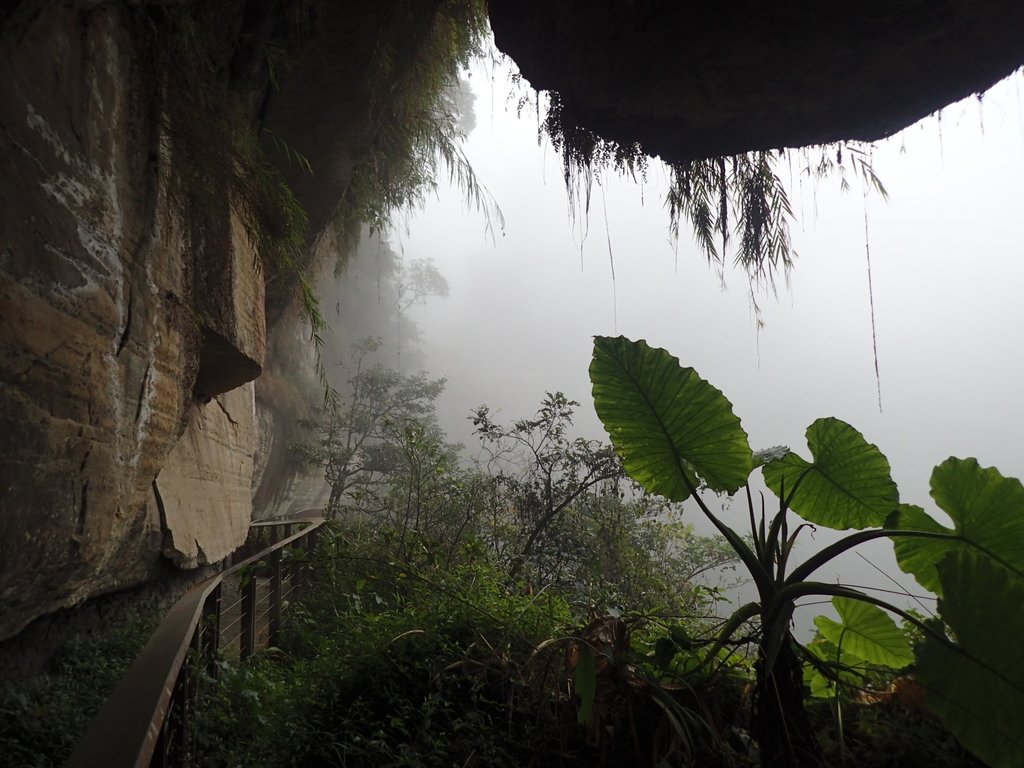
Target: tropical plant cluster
678	437
547	604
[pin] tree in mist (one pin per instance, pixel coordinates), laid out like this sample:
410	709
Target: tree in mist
356	440
415	282
563	508
424	494
630	550
544	469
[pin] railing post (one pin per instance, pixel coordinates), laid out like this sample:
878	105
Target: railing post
190	681
160	753
301	563
170	747
274	634
149	719
211	631
248	617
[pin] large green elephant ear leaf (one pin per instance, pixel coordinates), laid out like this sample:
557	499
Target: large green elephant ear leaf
847	485
987	511
671	428
866	632
920	556
976	685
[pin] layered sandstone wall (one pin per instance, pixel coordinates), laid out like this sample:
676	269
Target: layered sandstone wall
129	322
132	305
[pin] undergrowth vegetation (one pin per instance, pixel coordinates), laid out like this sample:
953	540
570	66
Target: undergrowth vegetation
386	663
42	717
538	609
430	662
514	612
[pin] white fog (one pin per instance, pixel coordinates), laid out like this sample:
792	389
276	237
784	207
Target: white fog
946	265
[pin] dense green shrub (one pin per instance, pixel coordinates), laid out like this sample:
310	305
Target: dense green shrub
385	663
435	661
42	717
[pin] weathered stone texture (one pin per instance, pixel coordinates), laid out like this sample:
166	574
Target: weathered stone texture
702	79
203	490
285	396
102	318
283	486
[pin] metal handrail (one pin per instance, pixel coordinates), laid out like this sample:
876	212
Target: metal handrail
134	728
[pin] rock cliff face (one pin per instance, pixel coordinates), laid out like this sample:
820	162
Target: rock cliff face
132	303
286	395
128	324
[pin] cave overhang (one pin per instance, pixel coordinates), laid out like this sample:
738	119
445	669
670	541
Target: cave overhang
691	80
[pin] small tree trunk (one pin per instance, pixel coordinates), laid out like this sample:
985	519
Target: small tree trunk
781	726
334	502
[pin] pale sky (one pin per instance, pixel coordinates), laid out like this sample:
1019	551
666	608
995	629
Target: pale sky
947	255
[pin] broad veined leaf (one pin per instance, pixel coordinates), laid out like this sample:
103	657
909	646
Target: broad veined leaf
671	428
987	511
977	687
867	632
919	557
848	484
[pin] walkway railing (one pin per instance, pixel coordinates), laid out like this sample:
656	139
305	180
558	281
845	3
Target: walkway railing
146	721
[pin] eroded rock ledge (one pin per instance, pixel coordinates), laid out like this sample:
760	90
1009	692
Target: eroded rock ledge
690	80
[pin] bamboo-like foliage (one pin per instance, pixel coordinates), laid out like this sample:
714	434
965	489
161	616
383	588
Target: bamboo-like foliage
735	205
415	117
